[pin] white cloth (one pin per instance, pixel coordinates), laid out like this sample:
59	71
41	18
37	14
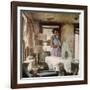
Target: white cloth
53	62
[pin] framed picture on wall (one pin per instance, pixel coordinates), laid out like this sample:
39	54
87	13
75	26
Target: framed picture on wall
48	44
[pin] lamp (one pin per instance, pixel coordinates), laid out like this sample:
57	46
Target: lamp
38	48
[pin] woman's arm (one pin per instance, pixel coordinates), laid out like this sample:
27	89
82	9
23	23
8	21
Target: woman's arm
52	44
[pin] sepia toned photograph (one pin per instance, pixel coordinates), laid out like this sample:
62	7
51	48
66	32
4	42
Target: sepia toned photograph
48	44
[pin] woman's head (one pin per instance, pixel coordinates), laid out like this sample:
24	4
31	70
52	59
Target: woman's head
55	31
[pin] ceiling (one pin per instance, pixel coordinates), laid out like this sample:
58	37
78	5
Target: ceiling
54	17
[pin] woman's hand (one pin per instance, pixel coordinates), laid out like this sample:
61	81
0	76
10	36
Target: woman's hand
54	46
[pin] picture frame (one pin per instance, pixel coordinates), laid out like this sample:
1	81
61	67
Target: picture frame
78	12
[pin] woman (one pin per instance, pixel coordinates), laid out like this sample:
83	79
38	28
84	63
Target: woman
55	43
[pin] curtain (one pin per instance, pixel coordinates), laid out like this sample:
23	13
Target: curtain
30	33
